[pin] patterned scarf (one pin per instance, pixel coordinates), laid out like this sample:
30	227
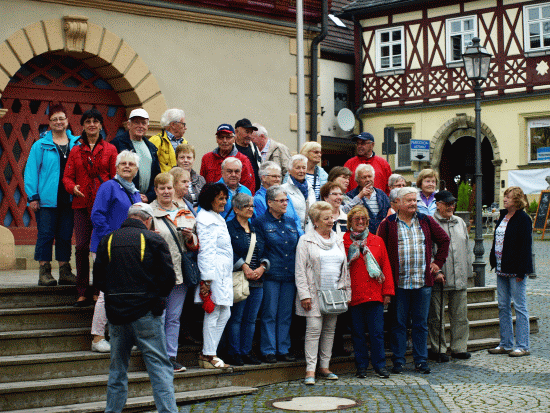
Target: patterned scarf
359	247
302	186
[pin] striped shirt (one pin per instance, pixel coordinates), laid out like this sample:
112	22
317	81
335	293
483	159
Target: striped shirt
411	244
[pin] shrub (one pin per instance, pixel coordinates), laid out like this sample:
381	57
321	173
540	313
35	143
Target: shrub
464	193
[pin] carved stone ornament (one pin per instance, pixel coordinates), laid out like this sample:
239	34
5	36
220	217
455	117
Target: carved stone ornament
75	28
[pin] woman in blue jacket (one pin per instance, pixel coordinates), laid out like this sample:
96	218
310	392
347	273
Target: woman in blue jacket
48	199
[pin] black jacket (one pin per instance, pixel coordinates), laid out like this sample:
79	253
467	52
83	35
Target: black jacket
516	251
135	273
123	142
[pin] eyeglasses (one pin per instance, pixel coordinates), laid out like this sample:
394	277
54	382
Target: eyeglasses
58	119
181	123
336	193
274	176
360	219
281	201
248	206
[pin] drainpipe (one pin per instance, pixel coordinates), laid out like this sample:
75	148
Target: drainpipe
301	112
358	35
314	69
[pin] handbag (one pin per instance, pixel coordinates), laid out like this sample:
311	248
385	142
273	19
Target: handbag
332	301
241	288
189	266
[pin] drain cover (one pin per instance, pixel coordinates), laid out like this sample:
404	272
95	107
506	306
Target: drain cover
313	403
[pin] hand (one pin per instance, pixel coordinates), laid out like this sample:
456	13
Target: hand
387	299
34	206
434	268
248	273
440	278
204	288
186	233
259	272
306	304
366	192
76	191
144	198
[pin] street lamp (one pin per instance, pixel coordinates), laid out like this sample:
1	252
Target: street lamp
476	62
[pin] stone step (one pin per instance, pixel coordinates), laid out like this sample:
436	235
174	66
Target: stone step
478	311
14	343
146	403
22	297
487	329
17	319
481	294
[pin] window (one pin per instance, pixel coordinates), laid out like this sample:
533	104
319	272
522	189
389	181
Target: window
537	27
342	95
403	155
390	48
538	132
459	34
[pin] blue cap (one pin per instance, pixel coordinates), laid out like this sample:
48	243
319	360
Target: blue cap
225	127
364	136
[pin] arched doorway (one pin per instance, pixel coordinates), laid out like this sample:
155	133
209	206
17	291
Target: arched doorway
46	79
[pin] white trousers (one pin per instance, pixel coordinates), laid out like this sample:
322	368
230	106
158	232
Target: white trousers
319	339
212	328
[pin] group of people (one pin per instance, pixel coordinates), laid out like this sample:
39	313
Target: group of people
293	231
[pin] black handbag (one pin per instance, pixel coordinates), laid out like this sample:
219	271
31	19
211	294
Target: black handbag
189	266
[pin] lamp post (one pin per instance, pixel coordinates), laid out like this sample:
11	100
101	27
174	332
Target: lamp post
476	62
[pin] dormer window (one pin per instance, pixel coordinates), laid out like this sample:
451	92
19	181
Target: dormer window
390	49
459	32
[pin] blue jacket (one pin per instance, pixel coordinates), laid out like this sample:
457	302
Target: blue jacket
383	206
260	207
110	210
42	170
280	237
228	214
426	209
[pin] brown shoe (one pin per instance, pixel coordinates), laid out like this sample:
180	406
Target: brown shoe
499	350
519	353
66	277
45	278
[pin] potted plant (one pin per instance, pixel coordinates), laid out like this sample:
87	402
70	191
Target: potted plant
463	201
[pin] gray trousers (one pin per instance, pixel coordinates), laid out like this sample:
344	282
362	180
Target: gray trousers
458	317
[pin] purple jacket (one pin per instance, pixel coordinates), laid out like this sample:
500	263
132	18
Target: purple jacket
110	210
433	234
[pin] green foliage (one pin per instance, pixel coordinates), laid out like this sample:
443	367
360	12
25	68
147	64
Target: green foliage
464	193
533	206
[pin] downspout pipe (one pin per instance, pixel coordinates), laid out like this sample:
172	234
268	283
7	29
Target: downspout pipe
314	69
301	113
358	29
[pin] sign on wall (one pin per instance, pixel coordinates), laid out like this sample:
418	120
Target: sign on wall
420	150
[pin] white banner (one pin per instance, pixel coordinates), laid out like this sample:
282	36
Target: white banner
532	181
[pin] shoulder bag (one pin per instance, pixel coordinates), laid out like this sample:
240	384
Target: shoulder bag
189	266
241	289
332	301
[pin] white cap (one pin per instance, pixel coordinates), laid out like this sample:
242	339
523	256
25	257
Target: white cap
142	206
140	113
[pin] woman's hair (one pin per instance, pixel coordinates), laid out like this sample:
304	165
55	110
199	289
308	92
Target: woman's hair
241	200
126	154
273	192
90	114
57	108
426	173
296	158
209	192
327	188
309	146
163	179
518	196
364	167
317	208
266	166
178	173
185	148
338	171
357	210
392	180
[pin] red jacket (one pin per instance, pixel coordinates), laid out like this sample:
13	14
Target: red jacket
363	287
382	171
211	168
89	169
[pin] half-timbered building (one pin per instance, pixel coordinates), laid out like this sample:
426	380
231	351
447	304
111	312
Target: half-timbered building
409	75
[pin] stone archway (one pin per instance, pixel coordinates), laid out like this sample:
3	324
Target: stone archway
464	126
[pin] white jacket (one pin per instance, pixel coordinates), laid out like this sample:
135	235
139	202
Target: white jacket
215	256
298	200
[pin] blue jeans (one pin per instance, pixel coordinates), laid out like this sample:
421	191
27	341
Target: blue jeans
277	306
509	289
416	303
370	314
54	224
242	323
172	314
148	334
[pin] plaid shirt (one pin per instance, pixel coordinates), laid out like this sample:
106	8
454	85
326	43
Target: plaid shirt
412	254
173	140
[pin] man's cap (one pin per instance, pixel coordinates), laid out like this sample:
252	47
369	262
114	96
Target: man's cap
364	136
245	123
138	113
444	196
225	127
144	207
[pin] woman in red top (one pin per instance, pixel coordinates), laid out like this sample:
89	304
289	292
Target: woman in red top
371	288
90	164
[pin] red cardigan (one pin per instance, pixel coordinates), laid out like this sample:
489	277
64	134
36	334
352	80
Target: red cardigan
89	169
363	287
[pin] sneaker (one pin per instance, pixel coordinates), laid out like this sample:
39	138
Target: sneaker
499	350
519	353
423	368
397	368
102	346
439	357
177	366
45	278
382	373
461	356
66	277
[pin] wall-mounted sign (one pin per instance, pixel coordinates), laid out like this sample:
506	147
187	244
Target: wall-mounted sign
420	150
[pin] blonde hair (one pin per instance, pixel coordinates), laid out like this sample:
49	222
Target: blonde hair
163	179
317	208
178	173
185	148
309	146
356	210
518	196
426	173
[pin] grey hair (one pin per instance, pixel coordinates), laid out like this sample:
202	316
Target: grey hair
137	211
261	129
392	180
232	159
241	200
266	166
406	191
316	209
393	194
126	154
273	192
171	115
364	167
295	159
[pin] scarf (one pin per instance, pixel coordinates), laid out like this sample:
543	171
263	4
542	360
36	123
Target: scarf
324	244
359	247
302	186
128	186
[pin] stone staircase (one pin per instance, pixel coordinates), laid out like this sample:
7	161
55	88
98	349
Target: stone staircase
46	365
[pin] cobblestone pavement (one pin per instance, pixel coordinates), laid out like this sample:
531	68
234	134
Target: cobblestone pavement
485	383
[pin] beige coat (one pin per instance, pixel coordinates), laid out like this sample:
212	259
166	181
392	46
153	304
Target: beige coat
308	265
280	154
